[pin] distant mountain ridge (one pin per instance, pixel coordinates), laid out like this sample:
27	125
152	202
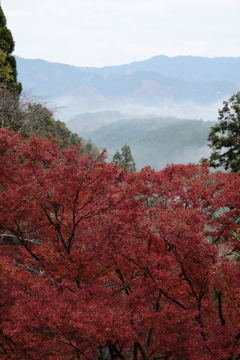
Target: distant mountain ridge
159	81
85	123
188	68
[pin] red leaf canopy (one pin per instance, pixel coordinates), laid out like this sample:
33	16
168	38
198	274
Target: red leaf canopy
97	263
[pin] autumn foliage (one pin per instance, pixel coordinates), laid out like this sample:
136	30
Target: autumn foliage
97	263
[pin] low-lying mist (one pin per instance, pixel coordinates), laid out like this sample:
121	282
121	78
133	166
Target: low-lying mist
185	110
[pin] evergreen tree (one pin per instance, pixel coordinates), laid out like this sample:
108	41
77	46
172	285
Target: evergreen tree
117	157
224	137
8	65
125	159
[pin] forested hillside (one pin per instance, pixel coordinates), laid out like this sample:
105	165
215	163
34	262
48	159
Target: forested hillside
181	142
113	134
155	141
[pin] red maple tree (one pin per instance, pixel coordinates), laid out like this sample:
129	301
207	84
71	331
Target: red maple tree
97	263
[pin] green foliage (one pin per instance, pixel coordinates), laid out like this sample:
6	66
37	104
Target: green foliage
224	137
125	159
117	157
8	66
21	114
44	125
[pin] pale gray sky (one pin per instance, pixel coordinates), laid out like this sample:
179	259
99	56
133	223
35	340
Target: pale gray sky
114	32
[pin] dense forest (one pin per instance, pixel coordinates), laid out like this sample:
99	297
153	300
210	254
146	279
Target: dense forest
99	261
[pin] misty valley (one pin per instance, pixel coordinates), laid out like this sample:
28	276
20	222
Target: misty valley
155	141
162	107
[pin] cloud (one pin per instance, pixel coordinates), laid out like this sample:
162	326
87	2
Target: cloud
111	32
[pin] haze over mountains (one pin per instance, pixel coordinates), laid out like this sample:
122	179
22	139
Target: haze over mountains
109	104
184	86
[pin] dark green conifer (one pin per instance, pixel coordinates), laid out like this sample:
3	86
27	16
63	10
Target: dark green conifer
8	65
117	157
224	137
125	159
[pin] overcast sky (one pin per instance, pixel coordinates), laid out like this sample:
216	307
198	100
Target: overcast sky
114	32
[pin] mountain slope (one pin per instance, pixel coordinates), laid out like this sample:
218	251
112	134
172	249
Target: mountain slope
113	136
182	142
